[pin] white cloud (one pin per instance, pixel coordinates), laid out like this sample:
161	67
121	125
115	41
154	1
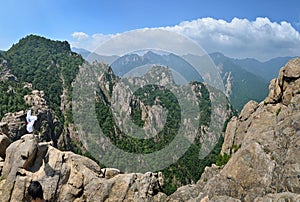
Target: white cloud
82	40
80	36
240	38
261	39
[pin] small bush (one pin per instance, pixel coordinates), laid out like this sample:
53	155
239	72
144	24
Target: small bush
222	159
278	111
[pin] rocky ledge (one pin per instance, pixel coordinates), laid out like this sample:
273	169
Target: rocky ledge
263	143
66	176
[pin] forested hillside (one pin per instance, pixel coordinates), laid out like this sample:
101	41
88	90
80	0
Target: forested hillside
48	65
140	109
241	85
242	79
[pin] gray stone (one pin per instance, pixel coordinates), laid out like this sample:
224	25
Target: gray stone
66	176
4	143
267	166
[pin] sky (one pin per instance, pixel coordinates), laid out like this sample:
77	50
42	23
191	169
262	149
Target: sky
261	29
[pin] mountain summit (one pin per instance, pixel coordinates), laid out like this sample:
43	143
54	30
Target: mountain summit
257	161
263	146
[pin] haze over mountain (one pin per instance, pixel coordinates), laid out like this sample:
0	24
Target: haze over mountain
126	63
265	39
256	159
267	70
92	56
42	75
150	101
244	79
241	86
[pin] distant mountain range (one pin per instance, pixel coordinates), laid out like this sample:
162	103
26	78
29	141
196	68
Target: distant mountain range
241	86
47	77
267	70
244	79
182	70
91	56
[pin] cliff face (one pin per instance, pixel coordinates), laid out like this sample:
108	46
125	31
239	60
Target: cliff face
264	146
13	125
66	176
263	142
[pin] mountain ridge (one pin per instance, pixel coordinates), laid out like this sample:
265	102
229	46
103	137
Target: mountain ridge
267	70
240	85
262	145
278	63
50	75
244	79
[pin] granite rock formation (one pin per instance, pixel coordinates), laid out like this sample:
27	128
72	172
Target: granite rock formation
66	176
264	146
263	142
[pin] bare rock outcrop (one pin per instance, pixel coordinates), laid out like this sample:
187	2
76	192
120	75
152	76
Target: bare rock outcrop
49	128
4	143
286	85
264	144
66	176
14	124
234	134
284	196
5	73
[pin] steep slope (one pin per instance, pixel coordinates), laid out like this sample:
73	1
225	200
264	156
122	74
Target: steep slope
240	85
263	143
146	108
48	65
244	79
68	177
39	69
129	62
266	70
11	91
46	70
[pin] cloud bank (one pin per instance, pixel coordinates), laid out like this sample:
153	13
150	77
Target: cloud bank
80	36
240	38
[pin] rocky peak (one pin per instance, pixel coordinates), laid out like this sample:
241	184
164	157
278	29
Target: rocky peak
263	143
66	176
283	88
5	73
49	128
36	98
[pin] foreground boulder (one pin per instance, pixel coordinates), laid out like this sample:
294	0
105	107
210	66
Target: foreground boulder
66	176
48	126
264	144
4	143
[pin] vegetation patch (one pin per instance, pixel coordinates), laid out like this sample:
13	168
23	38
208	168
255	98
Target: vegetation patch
222	159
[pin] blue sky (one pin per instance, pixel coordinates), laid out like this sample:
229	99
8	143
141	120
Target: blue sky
59	19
